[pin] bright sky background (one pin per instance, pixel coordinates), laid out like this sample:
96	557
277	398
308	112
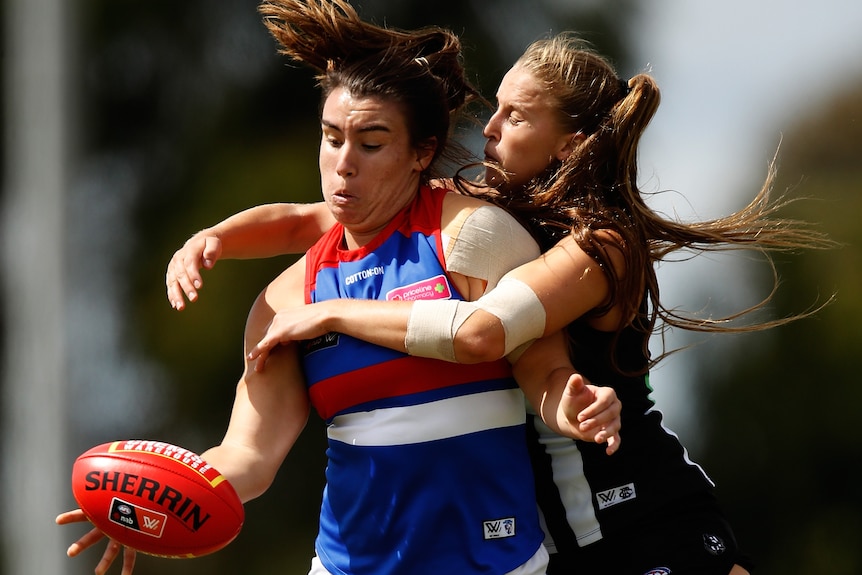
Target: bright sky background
734	75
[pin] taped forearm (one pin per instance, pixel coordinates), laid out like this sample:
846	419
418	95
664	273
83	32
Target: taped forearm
489	243
519	310
433	325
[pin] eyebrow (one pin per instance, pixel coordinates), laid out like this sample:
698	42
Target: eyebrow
363	129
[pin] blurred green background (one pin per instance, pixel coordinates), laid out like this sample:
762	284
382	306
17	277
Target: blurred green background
182	114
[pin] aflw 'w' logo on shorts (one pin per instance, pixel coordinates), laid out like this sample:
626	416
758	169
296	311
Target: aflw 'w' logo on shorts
499	528
617	495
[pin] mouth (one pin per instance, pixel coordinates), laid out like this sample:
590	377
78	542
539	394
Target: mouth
490	157
342	193
340	198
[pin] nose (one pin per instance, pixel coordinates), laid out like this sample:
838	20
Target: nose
345	166
492	128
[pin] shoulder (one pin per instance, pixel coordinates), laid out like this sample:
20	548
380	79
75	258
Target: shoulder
477	213
484	240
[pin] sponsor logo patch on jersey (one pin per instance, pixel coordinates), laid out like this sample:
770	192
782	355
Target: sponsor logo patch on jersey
432	288
615	496
499	528
714	544
137	518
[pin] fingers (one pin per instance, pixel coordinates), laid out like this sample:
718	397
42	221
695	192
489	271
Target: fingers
212	251
603	403
183	278
111	552
74	516
599	414
260	355
181	283
129	556
91	538
260	352
613	444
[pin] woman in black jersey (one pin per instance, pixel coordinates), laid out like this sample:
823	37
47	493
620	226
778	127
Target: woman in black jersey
562	156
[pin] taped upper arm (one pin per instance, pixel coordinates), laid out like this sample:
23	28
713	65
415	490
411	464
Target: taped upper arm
486	242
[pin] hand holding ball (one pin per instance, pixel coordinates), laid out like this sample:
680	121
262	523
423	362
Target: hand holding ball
157	498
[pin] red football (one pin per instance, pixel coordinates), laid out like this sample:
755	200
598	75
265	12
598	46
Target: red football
157	498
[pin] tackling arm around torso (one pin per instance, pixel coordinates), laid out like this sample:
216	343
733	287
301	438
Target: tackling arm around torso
484	242
538	298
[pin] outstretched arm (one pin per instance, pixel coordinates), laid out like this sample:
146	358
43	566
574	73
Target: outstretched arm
258	232
269	412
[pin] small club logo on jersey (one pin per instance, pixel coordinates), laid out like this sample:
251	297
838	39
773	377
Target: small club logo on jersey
432	288
137	518
658	571
714	544
323	342
617	495
499	528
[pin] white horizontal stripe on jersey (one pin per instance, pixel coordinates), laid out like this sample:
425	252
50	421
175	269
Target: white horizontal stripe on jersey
431	421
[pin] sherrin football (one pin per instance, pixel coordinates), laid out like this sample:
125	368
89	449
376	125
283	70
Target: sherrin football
157	498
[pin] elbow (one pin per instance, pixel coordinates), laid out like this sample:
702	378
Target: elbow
255	487
480	343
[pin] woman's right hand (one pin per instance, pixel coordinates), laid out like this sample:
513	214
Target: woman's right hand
183	278
91	538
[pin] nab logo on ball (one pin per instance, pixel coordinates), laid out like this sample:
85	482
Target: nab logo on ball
134	517
157	498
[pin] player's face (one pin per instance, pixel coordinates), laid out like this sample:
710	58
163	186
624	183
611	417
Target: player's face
369	170
524	135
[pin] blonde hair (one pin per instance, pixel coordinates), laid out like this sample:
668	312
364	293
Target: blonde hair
595	190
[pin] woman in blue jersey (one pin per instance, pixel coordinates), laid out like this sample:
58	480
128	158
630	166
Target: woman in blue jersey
428	469
647	509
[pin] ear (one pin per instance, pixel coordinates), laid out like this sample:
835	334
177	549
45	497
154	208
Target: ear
568	143
425	154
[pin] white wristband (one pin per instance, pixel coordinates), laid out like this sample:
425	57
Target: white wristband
432	326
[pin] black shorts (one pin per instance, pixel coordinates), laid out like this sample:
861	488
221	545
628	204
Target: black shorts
690	539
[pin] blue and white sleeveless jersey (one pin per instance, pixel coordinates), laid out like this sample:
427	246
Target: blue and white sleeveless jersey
428	470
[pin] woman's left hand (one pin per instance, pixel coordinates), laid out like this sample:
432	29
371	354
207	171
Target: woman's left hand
112	551
294	324
592	412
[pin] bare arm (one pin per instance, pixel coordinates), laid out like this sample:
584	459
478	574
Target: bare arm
269	412
270	408
564	399
258	232
567	282
546	381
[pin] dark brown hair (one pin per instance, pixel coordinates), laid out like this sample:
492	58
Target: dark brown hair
420	70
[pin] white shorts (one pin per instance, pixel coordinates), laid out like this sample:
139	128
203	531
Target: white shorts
535	566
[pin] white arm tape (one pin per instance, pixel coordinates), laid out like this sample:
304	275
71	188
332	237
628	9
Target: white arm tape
518	308
432	327
433	323
490	243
